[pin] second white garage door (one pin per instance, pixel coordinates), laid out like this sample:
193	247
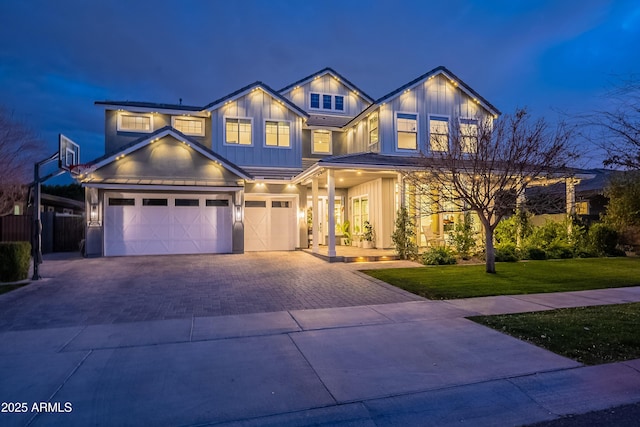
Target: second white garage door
155	224
269	224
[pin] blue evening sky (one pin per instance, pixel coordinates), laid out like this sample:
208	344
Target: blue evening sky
58	57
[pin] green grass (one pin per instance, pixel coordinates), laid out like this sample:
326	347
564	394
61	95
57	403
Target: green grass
464	281
590	335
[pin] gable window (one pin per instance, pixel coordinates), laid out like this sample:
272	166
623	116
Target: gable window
238	131
326	102
373	132
188	125
407	126
321	142
339	103
315	100
439	133
277	134
135	123
469	135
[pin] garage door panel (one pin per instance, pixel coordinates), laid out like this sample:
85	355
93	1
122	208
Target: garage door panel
269	224
139	229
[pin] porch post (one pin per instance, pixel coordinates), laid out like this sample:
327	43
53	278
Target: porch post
520	201
571	196
331	190
315	235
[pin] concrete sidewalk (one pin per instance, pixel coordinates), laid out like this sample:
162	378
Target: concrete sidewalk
411	363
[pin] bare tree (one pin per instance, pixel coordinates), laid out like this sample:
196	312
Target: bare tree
617	130
484	167
19	149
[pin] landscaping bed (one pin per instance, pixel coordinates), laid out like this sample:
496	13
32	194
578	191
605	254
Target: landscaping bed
528	277
590	335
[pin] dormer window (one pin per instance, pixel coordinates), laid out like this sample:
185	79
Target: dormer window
326	102
128	122
188	125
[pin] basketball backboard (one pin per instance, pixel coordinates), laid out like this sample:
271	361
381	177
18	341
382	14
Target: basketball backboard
68	153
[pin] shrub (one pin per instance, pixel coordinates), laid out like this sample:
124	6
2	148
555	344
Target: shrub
507	253
440	255
404	236
603	240
534	253
464	237
559	250
14	261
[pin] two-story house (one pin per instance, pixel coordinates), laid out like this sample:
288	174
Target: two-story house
245	172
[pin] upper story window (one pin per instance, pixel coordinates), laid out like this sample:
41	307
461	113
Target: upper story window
189	125
321	142
469	135
373	132
326	102
135	122
238	131
439	133
277	134
407	128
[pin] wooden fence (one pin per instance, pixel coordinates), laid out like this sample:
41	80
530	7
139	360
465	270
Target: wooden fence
60	233
15	228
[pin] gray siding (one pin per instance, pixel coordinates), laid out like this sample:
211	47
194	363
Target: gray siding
338	142
259	107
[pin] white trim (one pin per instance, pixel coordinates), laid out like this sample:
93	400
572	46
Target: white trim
279	99
187	118
264	134
313	151
224	131
448	117
158	109
395	132
333	103
153	188
129	114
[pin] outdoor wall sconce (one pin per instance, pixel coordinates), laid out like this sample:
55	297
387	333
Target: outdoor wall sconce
94	215
238	213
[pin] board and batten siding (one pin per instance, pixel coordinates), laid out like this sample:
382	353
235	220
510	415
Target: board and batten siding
259	107
381	194
437	96
328	85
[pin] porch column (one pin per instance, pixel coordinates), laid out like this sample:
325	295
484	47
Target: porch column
315	235
331	195
571	196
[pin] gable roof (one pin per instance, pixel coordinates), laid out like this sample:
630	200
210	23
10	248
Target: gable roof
149	105
161	133
251	87
338	76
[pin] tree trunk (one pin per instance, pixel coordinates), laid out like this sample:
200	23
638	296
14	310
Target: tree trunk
490	253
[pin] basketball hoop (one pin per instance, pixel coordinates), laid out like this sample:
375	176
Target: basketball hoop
79	169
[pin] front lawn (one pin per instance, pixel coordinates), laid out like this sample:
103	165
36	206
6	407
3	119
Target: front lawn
527	277
590	335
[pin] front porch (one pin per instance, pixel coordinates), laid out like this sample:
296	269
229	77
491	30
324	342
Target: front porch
353	254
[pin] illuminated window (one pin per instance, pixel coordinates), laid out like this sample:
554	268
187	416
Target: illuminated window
373	132
277	134
468	135
189	125
321	142
407	126
360	209
439	133
582	208
339	103
135	122
238	131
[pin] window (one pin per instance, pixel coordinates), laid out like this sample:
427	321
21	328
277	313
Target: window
279	204
468	135
439	133
154	202
238	131
339	103
135	123
407	125
360	213
255	204
113	201
326	102
373	132
277	134
217	202
189	125
321	142
315	100
187	202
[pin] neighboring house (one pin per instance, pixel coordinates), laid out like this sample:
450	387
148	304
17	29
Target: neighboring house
243	172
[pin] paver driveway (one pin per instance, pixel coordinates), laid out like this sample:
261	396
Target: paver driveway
130	289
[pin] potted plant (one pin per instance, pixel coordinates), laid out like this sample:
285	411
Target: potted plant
345	240
368	235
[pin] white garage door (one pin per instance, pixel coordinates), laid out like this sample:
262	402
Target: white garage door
155	224
269	224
